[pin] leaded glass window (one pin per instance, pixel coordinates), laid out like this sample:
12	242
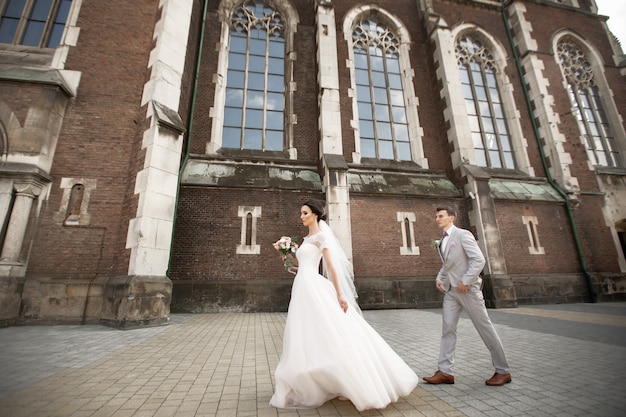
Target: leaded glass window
585	98
489	129
255	85
38	23
383	122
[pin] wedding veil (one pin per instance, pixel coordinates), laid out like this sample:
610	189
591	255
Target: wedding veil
343	267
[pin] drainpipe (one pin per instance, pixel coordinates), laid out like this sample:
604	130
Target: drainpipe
568	207
194	95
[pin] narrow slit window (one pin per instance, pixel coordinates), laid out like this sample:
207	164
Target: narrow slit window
72	216
249	216
74	208
407	222
407	227
249	229
535	247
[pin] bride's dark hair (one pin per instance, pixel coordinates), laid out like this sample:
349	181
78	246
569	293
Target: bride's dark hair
318	207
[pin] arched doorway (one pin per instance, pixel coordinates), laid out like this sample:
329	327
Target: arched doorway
620	227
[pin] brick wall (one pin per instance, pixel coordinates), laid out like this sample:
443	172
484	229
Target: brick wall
208	230
554	236
100	139
102	134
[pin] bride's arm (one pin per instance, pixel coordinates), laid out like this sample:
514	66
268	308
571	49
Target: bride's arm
333	279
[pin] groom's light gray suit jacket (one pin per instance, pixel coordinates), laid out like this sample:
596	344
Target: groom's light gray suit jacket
462	260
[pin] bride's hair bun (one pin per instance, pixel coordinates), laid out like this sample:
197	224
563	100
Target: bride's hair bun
318	207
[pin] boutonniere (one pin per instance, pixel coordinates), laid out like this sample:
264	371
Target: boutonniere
435	244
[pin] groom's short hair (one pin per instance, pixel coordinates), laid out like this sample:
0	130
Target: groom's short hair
449	210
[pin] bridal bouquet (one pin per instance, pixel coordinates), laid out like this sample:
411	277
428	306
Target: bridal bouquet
286	246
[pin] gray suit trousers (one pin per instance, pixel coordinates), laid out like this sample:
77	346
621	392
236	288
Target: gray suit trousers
454	302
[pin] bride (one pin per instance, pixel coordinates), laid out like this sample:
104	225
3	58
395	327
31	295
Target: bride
329	350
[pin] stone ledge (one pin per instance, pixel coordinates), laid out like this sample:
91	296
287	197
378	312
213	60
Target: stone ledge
66	80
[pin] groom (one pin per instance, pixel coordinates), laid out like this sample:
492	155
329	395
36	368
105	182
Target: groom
460	282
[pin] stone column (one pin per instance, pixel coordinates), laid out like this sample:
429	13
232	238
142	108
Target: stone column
26	193
498	286
335	175
142	298
6	193
156	185
11	266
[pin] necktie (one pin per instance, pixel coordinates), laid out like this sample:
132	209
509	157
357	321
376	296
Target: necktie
443	236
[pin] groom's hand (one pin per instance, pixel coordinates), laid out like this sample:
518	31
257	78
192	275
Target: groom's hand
462	287
439	287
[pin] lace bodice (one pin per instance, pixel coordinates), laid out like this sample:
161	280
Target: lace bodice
309	254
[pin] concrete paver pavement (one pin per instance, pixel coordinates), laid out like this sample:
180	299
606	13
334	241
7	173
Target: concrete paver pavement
567	360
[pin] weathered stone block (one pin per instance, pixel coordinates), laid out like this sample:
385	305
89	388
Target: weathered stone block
134	301
10	298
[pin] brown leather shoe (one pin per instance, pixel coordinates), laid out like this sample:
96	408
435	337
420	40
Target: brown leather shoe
439	378
499	379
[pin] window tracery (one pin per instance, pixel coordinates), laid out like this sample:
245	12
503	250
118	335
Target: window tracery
255	86
587	105
383	123
489	129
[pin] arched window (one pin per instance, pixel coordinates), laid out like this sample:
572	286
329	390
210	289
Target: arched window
249	216
408	231
6	215
75	202
587	105
4	141
248	229
407	224
620	228
384	105
74	206
381	103
487	121
254	110
535	247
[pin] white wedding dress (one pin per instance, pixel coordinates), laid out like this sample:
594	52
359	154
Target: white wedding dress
328	353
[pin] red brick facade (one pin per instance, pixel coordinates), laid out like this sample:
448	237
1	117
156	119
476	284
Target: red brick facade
164	227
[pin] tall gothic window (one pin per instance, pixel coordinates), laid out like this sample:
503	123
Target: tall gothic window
255	85
38	23
489	129
588	109
380	98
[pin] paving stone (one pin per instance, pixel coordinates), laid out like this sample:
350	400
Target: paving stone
567	360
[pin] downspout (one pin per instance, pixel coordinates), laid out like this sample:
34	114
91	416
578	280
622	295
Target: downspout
192	109
568	207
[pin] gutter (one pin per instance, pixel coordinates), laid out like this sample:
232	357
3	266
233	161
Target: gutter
568	204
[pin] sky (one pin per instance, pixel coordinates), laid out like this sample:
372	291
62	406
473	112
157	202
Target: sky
616	10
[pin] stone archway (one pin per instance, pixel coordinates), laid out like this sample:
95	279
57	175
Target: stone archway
620	228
